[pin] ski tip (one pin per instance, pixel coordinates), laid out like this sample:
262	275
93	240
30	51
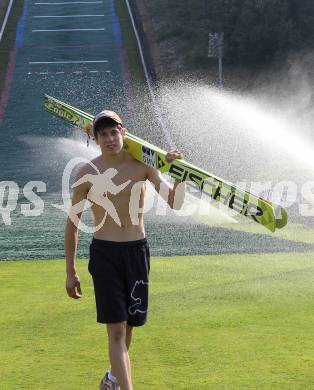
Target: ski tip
271	227
283	220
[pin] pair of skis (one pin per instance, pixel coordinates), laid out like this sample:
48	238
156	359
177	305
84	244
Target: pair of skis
262	211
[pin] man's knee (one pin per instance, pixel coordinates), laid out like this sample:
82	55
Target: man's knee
117	332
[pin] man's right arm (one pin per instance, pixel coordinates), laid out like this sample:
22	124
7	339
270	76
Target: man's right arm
71	238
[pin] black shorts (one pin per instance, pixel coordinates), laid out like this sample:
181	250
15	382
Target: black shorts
120	275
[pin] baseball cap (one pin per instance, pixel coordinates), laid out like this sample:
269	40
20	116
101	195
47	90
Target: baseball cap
106	114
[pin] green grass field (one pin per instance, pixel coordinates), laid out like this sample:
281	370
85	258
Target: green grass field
216	322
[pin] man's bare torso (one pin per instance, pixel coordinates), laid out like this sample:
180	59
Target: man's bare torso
128	181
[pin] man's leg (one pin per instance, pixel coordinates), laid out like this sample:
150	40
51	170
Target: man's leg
118	354
128	339
128	336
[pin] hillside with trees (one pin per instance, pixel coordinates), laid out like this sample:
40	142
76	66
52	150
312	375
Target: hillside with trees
256	32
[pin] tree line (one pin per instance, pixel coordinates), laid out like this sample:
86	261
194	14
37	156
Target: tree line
255	31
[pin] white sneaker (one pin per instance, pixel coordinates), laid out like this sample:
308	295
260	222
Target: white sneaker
108	384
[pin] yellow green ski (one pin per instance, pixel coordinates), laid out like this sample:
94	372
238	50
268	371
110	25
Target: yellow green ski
262	211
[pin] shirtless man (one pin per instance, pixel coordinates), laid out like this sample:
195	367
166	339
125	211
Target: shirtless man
119	254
